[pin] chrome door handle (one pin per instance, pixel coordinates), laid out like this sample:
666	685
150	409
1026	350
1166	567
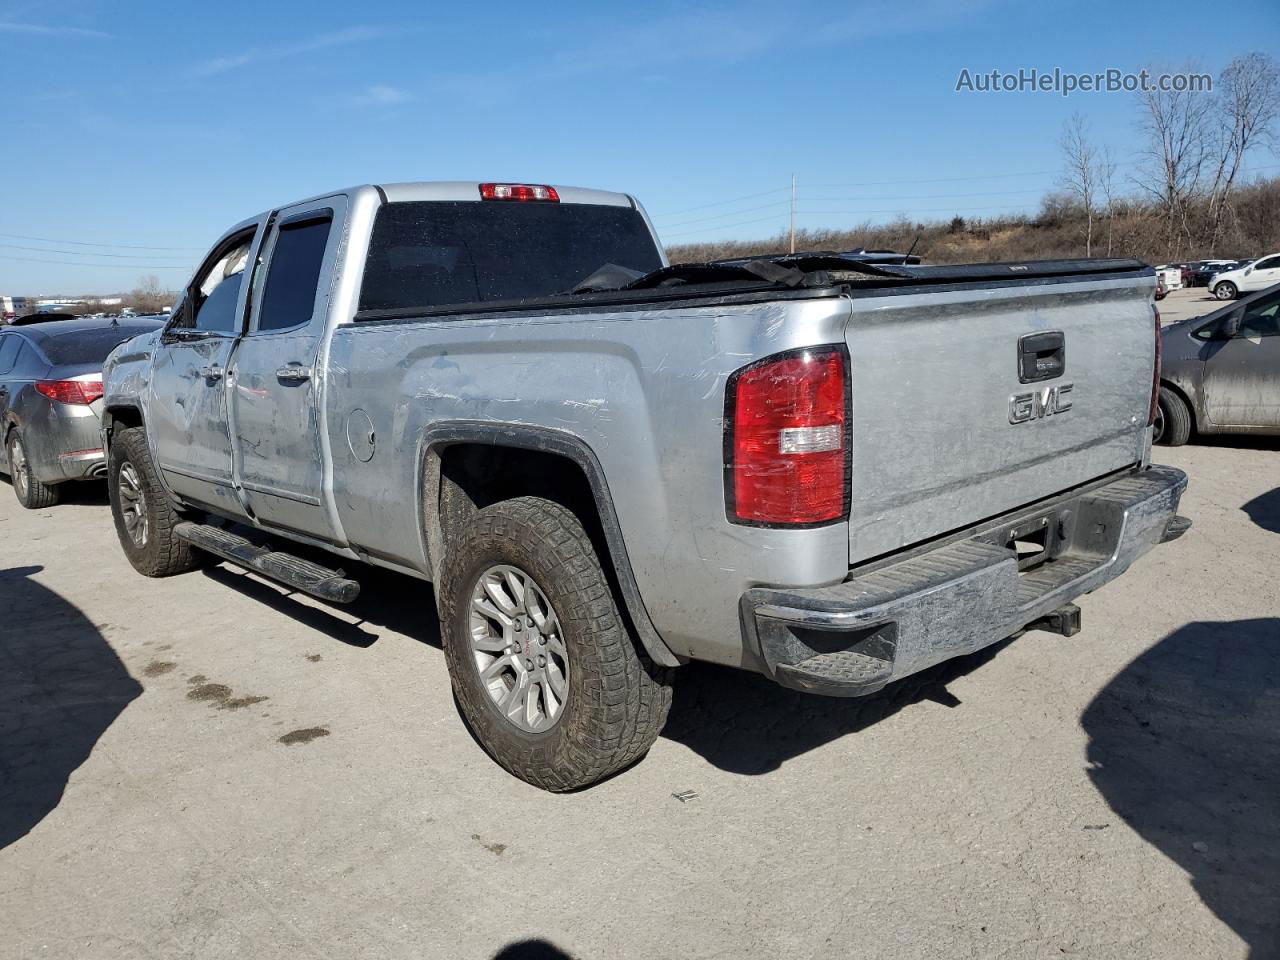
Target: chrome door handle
293	373
211	372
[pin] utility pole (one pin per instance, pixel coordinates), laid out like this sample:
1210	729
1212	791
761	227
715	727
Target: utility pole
793	213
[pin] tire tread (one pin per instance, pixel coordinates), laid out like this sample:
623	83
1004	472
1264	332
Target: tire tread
627	696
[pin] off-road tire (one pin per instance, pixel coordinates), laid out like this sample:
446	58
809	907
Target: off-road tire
161	554
31	493
618	698
1177	420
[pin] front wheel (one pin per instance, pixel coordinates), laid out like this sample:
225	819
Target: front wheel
1226	290
143	514
31	493
545	671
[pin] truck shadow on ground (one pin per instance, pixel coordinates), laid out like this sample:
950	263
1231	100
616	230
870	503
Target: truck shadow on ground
388	602
745	723
61	687
1184	744
1264	510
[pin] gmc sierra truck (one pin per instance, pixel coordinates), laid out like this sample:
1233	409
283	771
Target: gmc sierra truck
835	470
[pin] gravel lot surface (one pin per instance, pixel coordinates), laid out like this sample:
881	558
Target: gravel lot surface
208	767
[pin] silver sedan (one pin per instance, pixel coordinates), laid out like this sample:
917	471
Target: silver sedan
51	398
1221	372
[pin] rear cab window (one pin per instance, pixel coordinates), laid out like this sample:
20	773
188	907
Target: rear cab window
440	253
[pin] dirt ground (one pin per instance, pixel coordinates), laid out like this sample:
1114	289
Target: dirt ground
209	767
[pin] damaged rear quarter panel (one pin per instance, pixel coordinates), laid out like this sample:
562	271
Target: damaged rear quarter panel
642	389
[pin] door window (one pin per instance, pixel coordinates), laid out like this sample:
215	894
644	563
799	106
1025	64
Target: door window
211	304
1260	317
293	275
1268	264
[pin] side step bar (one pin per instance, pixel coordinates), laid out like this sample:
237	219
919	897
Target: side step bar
318	581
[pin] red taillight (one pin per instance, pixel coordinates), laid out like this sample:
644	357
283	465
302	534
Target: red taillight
787	439
1155	379
82	392
518	191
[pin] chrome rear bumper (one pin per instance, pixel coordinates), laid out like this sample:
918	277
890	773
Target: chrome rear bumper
852	638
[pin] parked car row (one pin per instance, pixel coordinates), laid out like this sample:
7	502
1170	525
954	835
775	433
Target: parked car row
1196	273
1247	278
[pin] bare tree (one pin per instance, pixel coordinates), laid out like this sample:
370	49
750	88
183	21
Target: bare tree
1248	105
1081	177
1107	185
1177	125
149	296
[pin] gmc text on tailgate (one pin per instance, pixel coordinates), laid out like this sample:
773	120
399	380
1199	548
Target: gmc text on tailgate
835	470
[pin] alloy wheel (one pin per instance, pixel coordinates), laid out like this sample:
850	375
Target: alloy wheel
133	504
18	467
518	650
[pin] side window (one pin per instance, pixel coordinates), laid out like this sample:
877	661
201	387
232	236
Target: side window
1260	318
8	352
217	312
293	274
211	305
1268	264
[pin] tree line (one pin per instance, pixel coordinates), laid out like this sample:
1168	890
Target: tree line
1188	197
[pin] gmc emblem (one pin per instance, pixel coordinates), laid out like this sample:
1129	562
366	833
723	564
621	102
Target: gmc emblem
1040	403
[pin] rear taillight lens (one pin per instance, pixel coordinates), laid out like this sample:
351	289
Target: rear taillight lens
1155	377
81	392
787	439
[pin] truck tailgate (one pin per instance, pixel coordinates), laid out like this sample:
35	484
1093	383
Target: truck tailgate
936	385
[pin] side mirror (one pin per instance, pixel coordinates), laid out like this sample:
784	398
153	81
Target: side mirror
1230	326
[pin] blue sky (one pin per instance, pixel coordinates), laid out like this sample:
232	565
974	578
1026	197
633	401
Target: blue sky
148	124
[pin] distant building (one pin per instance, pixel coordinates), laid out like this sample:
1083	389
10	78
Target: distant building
11	307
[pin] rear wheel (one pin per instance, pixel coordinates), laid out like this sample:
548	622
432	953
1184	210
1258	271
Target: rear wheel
545	671
1173	420
143	514
31	493
1226	290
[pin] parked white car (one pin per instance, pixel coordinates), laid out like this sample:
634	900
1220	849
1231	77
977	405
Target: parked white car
1258	275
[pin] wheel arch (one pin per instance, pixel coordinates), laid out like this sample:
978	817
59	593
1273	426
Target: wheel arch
443	500
1182	394
121	415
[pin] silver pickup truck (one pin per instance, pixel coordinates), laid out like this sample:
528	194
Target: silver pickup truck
827	469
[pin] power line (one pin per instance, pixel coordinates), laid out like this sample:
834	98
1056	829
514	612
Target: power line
991	176
731	213
719	203
931	196
82	263
89	253
824	213
87	243
721	226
